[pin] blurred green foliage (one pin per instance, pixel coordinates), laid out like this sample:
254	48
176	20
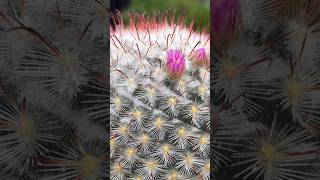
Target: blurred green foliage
200	9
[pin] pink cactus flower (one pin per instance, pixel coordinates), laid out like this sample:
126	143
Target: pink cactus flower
175	63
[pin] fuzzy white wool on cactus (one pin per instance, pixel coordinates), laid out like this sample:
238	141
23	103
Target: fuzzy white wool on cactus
159	78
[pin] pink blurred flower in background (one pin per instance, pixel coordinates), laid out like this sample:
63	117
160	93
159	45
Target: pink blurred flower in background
225	17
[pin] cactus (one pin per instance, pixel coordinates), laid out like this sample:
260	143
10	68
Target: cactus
266	80
52	59
160	116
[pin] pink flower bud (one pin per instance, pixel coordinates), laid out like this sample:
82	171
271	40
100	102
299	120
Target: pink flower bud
200	57
175	63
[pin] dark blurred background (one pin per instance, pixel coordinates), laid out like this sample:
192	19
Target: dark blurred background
193	8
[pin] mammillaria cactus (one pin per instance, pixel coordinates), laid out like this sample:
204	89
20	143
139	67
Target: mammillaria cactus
53	57
266	83
263	116
160	118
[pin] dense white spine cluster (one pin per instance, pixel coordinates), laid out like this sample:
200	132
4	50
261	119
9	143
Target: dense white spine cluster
160	117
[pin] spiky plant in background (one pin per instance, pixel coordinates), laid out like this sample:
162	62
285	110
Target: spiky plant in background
53	59
160	115
266	77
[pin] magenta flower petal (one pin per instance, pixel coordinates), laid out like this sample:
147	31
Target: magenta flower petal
179	67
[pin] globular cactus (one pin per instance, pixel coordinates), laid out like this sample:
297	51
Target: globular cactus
53	57
266	84
160	115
